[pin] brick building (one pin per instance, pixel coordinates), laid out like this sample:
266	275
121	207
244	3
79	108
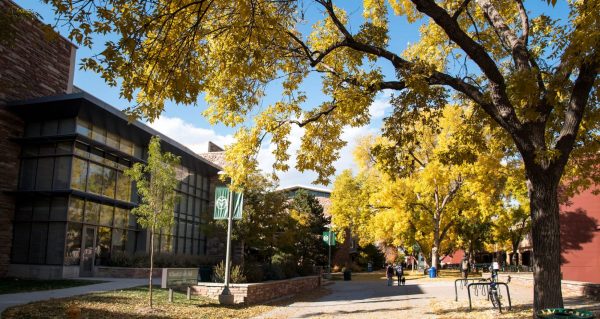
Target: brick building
64	200
580	238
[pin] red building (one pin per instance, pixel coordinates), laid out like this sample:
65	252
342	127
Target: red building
580	238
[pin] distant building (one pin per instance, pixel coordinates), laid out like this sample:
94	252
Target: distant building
321	194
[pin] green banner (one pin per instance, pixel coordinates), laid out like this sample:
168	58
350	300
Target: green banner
238	203
329	238
222	203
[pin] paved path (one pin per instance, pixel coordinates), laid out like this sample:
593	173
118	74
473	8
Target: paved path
9	300
418	299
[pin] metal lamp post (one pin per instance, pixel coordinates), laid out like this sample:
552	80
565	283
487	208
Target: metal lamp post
226	297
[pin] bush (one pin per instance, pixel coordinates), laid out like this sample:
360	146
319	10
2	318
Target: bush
273	272
306	270
236	274
120	259
254	272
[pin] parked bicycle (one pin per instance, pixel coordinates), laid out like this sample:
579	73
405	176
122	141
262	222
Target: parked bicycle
493	292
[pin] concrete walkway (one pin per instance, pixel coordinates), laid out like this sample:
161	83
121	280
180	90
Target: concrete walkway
9	300
418	299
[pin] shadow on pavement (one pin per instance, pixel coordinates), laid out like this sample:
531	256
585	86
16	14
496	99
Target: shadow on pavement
351	312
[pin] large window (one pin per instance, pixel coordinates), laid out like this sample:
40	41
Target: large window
50	128
101	173
115	141
191	211
73	244
115	229
45	166
38	243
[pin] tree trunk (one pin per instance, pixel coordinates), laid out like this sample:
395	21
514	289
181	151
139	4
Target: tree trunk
151	265
436	243
545	233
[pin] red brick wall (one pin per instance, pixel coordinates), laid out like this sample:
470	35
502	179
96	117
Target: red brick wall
33	64
30	66
259	292
580	238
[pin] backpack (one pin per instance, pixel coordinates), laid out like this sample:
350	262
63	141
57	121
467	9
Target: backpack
399	270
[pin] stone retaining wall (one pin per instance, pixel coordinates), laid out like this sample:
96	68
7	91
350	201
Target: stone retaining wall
569	288
259	292
125	272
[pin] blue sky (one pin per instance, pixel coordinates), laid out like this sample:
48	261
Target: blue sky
186	124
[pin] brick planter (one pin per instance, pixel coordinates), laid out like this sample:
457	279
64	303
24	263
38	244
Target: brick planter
259	292
569	287
125	272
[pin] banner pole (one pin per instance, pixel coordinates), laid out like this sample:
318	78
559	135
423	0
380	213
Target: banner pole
228	252
329	258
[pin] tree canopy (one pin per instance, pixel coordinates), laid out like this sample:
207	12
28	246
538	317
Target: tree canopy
533	75
431	205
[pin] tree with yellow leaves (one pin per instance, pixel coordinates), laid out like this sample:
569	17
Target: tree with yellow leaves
424	206
535	76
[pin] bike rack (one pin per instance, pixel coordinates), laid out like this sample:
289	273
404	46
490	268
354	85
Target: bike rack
463	283
484	287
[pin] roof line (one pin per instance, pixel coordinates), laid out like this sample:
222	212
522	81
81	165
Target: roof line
316	189
114	111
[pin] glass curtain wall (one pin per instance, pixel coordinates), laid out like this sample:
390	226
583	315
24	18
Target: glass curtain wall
49	221
191	213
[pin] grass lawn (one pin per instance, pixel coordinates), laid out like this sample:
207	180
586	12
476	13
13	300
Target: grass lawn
131	303
14	285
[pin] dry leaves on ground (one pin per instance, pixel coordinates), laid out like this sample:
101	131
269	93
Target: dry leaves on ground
126	304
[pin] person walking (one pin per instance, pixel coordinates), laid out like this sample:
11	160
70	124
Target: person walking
399	272
465	267
389	272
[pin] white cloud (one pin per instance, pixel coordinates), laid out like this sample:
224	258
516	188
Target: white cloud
293	176
380	106
195	138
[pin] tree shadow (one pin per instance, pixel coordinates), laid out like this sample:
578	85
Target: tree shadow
350	312
576	228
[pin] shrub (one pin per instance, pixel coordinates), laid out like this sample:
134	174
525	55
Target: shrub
273	272
254	272
141	261
236	274
290	269
306	270
120	259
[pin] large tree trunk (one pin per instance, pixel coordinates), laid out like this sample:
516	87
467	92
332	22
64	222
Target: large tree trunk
545	232
436	244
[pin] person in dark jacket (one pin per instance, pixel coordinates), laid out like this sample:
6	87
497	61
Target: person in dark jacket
389	272
399	273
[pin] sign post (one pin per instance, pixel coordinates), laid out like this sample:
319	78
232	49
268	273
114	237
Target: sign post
329	239
225	209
